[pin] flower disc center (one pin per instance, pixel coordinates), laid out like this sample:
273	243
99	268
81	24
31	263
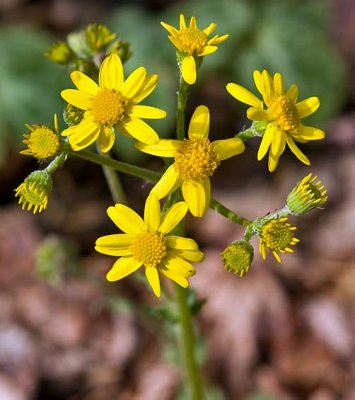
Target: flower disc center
108	107
197	159
278	234
42	142
192	40
285	113
149	248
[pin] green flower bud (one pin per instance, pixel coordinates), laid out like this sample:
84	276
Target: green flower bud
34	191
237	257
60	53
306	195
98	36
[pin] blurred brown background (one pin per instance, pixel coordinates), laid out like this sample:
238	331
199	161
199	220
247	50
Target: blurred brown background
284	331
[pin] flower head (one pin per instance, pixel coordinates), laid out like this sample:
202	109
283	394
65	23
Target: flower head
42	142
196	159
111	104
307	194
192	42
276	235
34	191
237	257
283	114
147	243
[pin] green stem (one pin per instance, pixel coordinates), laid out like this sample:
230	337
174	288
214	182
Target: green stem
182	95
248	133
226	212
56	163
114	183
118	165
186	336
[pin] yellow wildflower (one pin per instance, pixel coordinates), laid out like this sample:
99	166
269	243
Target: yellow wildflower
148	243
283	115
196	159
276	235
111	104
34	191
42	142
192	42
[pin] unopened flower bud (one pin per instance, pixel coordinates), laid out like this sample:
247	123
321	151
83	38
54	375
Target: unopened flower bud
237	257
306	195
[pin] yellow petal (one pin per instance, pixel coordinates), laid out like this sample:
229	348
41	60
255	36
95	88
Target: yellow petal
111	73
258	80
307	106
148	112
193	23
152	212
266	141
84	83
292	93
227	148
106	139
169	182
126	219
190	255
217	39
197	196
182	21
188	70
268	88
84	135
243	95
210	28
199	123
208	50
77	98
139	130
180	266
169	28
272	162
146	88
164	148
308	133
153	278
180	280
172	217
279	84
133	83
296	151
278	142
122	267
176	42
257	114
115	245
181	243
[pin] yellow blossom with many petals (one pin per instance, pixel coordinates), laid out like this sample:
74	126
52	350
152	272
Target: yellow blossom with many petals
42	142
111	104
192	42
282	114
196	159
277	235
148	243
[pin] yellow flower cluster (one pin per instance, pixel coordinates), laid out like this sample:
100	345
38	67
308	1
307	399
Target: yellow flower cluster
98	108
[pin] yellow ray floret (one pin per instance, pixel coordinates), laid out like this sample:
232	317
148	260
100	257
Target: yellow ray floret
196	160
192	42
111	104
282	113
147	242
